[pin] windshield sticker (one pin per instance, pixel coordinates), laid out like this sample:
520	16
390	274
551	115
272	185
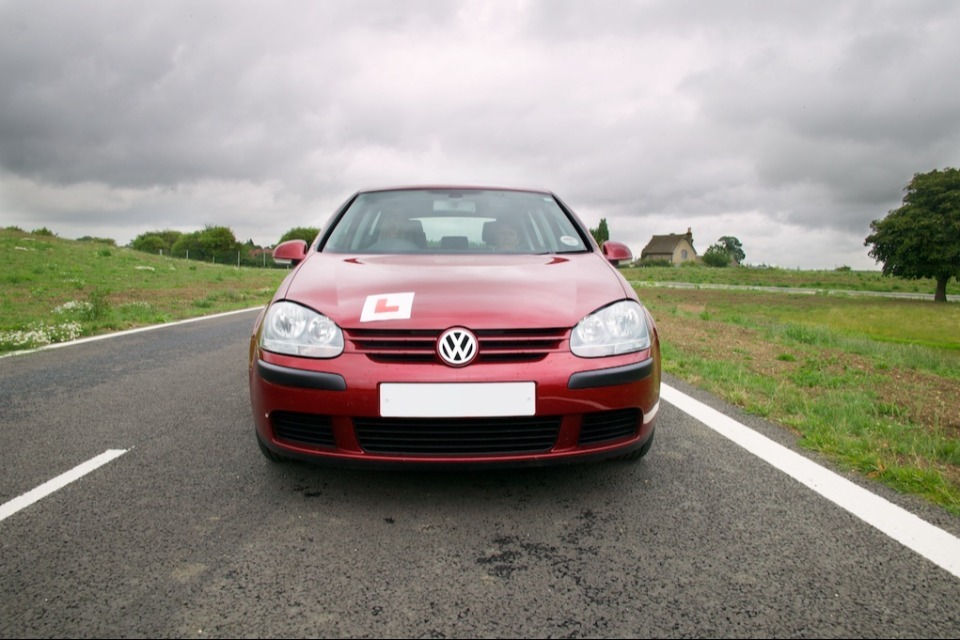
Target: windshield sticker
570	241
387	306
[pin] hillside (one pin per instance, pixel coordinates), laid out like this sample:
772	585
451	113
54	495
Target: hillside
55	289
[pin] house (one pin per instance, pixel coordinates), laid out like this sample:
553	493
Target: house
263	256
674	248
258	252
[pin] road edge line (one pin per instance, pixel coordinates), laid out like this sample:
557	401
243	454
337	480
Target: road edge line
931	542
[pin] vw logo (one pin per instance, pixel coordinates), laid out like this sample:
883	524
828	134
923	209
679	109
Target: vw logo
457	347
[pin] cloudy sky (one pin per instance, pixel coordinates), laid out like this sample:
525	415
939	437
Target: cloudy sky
790	125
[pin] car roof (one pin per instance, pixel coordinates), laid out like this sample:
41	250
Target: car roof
453	187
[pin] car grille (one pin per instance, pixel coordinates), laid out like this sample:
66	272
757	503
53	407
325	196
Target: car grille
303	428
460	436
609	425
420	346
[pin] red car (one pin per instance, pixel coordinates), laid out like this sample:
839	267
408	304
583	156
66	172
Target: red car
447	326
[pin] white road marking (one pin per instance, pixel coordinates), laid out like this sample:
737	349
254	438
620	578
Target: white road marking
933	543
28	498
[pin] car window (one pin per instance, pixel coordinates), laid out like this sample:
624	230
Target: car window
454	221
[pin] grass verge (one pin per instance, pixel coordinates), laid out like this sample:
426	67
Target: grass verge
55	290
838	280
873	384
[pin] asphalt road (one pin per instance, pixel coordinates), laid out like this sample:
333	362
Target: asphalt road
192	533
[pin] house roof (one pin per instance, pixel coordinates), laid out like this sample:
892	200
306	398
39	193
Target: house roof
667	243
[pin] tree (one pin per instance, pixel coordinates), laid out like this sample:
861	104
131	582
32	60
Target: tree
726	251
218	243
156	241
601	234
188	245
733	248
921	239
150	243
213	243
716	256
307	234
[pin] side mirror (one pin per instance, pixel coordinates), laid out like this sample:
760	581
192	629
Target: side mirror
290	252
616	252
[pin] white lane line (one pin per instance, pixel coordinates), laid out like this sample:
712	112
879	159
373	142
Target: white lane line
48	487
933	543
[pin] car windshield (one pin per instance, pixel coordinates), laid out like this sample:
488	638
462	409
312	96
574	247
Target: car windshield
454	221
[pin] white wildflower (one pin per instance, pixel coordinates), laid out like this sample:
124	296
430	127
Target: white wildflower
41	334
73	306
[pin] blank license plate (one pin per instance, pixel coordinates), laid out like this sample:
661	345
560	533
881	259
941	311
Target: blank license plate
457	400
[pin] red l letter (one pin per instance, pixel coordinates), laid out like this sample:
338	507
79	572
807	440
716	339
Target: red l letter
383	308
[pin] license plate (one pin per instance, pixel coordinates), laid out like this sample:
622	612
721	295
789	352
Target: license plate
457	399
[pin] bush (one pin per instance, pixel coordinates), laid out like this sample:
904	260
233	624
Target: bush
98	307
109	241
307	234
716	256
659	262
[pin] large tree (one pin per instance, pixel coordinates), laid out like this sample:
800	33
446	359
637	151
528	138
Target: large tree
219	243
734	248
725	252
921	239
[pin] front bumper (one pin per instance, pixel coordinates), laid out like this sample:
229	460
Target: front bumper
585	409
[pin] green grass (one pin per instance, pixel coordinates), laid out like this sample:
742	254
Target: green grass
871	383
837	280
52	290
910	333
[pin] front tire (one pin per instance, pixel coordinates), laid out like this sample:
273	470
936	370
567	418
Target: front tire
636	454
268	454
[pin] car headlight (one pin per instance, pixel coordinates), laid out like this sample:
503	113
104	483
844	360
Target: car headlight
619	328
294	330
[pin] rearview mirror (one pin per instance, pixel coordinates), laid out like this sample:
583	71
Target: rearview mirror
290	252
616	252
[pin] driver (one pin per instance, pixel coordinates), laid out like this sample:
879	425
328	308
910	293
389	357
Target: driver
391	235
506	237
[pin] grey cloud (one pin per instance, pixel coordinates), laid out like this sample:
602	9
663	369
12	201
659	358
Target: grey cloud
813	114
108	91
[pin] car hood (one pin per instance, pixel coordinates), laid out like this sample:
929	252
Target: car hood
479	292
